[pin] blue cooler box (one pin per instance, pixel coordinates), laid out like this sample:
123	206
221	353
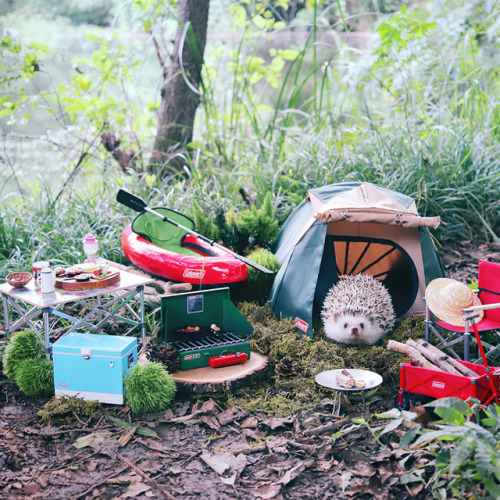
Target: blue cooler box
92	367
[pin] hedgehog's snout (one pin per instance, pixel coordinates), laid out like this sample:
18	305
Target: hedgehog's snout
354	331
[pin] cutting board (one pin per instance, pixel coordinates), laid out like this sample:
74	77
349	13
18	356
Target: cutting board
71	283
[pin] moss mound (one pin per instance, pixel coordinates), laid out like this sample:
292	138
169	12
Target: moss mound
277	339
24	345
35	378
64	409
149	388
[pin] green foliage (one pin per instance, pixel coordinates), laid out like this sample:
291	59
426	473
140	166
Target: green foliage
149	388
204	223
65	408
258	285
259	225
35	377
18	62
466	454
24	345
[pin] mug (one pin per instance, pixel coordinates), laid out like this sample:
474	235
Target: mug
47	280
37	269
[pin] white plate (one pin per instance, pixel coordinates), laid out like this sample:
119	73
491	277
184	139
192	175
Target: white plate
329	379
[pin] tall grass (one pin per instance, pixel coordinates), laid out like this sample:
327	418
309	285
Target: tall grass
417	111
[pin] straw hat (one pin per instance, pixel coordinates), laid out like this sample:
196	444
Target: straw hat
446	298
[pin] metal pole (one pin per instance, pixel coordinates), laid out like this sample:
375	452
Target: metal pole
143	318
46	328
6	312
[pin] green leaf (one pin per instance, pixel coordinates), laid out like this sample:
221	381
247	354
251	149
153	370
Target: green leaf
84	441
450	415
143	431
409	436
288	54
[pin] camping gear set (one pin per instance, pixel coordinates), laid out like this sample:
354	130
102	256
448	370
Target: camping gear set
353	228
205	328
439	375
92	366
484	385
175	250
449	332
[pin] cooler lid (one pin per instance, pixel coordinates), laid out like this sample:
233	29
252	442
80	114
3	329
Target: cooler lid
109	345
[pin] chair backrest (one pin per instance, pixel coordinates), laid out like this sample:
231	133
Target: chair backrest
489	287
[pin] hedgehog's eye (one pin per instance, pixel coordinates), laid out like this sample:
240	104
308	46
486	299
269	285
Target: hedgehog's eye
345	325
362	325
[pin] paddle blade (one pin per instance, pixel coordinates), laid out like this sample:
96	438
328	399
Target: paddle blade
131	201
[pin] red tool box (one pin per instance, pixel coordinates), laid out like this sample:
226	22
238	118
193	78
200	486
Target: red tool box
439	384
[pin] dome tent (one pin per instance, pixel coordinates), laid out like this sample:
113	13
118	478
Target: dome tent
353	228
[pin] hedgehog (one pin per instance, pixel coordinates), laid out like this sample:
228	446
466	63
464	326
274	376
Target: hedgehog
357	310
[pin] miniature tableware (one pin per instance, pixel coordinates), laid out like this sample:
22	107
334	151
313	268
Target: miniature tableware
47	280
37	269
18	280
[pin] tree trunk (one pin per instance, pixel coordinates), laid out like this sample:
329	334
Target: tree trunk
178	101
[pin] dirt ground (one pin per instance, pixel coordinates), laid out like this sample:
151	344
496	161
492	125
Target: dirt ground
204	451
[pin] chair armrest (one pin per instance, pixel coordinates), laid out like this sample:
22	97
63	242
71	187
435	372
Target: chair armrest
483	307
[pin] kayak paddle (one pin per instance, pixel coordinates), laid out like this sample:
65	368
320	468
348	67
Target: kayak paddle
135	203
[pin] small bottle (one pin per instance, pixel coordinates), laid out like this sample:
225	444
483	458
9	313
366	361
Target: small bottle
90	248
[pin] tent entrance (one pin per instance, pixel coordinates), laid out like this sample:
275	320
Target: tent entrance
382	259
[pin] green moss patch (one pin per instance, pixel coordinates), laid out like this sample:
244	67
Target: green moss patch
276	339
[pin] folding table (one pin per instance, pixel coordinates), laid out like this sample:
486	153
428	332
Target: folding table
115	301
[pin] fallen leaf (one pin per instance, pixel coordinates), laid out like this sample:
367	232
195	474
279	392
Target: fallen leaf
126	436
84	441
266	491
219	462
275	423
294	472
250	422
135	489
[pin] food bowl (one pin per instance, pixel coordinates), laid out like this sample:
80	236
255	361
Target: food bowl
18	280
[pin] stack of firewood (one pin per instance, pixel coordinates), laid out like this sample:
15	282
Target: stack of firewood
427	356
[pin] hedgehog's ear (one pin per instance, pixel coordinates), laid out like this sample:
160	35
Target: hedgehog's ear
336	316
371	319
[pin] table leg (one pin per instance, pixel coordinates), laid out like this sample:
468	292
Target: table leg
143	319
6	312
337	399
46	328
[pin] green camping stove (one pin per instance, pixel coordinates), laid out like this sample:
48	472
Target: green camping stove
205	328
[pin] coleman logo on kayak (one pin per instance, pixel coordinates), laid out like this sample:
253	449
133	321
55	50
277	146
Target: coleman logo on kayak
192	356
438	385
301	325
193	274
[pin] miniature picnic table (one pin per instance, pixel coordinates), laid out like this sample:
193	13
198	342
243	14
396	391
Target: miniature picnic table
105	303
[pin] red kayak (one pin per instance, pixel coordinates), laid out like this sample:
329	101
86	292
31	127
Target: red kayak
187	259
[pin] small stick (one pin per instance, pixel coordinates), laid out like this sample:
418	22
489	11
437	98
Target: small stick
141	473
330	426
105	480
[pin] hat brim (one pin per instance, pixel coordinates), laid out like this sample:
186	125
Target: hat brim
452	317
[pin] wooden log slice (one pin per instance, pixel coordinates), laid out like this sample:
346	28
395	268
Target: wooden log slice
230	378
73	285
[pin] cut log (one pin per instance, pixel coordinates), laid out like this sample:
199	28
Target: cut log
455	362
227	378
412	353
434	358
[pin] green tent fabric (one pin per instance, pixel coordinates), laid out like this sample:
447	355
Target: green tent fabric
348	228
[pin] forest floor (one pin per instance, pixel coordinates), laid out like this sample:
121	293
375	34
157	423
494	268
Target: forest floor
202	450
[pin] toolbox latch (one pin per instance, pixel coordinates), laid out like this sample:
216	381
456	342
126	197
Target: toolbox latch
86	352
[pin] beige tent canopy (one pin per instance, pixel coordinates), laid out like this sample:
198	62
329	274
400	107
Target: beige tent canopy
353	228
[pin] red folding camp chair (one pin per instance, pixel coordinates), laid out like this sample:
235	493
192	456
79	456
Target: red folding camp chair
489	294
